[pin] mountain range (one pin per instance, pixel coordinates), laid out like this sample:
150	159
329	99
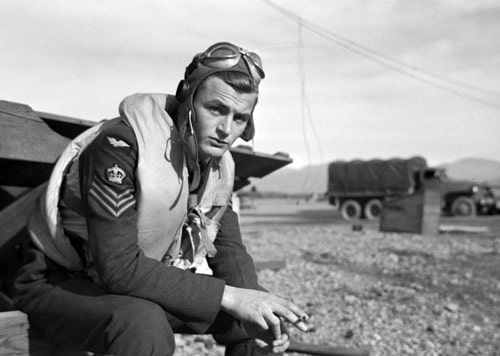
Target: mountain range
313	179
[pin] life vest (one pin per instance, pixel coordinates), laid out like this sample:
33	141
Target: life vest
167	216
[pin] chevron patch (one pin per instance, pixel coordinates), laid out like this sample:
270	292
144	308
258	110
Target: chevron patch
114	203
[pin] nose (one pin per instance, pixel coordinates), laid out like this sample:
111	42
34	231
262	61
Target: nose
225	125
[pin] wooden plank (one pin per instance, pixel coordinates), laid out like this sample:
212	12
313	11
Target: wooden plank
84	124
17	109
431	212
29	139
13	191
18	338
14	333
325	350
9	195
463	229
13	218
66	126
23	173
402	214
256	164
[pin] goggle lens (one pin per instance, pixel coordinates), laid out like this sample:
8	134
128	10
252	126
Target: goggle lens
227	56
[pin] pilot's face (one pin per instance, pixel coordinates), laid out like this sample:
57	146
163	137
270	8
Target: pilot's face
221	115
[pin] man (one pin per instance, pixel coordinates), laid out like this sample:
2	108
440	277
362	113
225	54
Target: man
135	238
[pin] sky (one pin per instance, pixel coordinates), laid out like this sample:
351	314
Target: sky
345	79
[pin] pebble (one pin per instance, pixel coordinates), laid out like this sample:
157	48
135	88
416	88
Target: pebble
452	307
403	304
350	299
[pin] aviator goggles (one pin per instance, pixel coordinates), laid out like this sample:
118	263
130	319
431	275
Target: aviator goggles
225	55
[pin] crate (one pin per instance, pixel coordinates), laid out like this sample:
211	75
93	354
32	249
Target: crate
418	213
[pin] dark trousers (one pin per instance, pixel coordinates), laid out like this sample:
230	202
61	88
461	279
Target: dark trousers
75	312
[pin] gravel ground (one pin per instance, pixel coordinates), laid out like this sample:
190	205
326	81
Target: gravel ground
389	293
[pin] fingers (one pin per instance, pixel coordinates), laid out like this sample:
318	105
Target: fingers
287	312
262	309
283	340
274	322
281	344
276	346
261	343
262	322
297	312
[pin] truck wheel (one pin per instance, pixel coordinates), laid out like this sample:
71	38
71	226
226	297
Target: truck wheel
350	210
373	209
463	206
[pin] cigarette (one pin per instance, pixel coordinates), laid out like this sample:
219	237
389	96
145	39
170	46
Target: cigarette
302	326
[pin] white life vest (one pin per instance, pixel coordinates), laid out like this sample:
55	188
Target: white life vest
162	191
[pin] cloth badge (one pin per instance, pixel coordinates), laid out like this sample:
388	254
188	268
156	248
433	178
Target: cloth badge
114	203
115	142
115	174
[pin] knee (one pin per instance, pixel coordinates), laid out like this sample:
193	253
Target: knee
144	326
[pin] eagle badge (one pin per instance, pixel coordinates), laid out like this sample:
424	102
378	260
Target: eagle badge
115	142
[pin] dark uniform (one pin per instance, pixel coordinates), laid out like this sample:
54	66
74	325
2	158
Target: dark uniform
134	303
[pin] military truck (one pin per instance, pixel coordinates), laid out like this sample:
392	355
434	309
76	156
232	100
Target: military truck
359	187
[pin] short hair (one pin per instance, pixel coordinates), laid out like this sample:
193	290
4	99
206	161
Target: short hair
238	81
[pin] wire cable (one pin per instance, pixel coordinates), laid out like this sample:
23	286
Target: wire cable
306	113
413	72
303	107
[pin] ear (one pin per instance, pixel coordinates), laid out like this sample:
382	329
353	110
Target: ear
249	131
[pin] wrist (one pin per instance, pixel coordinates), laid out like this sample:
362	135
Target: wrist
227	298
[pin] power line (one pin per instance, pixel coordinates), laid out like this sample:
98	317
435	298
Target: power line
306	111
400	67
303	101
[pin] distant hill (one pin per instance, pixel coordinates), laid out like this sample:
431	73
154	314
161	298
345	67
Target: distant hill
310	179
313	179
476	169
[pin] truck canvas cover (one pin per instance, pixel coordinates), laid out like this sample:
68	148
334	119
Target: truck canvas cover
373	177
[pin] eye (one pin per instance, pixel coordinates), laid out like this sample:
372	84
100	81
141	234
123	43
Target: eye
215	109
241	119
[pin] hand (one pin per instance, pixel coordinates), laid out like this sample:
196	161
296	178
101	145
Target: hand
274	346
263	310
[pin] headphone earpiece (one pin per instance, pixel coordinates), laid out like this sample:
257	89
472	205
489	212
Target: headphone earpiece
182	91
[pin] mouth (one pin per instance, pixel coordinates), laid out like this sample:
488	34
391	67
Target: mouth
218	142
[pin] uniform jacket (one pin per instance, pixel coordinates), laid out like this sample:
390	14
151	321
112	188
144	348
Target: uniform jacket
109	196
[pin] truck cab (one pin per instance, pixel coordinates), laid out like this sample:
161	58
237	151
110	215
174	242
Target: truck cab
461	197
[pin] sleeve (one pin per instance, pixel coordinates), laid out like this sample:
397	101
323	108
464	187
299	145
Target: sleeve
232	262
107	176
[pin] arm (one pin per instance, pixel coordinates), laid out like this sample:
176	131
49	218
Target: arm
113	240
232	262
243	297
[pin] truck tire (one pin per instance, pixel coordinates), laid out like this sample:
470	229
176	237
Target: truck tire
350	210
463	206
373	209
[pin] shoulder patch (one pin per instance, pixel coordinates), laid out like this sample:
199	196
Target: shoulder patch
116	142
112	202
115	174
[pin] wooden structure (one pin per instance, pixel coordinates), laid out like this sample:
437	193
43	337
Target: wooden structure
418	213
